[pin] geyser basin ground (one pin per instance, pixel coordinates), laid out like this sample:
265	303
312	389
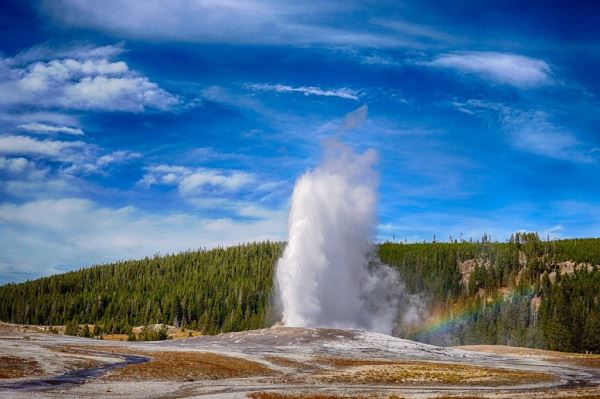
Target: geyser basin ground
293	361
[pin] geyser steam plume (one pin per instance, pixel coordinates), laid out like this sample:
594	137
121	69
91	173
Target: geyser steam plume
327	275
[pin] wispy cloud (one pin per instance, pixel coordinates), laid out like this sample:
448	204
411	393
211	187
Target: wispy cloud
515	70
256	22
418	32
100	163
48	52
379	59
44	128
307	90
530	130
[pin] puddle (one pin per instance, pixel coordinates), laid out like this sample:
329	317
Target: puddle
72	377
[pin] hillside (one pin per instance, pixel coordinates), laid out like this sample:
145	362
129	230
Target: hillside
210	290
525	292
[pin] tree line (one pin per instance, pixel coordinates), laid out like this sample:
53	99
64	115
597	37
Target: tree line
515	294
217	290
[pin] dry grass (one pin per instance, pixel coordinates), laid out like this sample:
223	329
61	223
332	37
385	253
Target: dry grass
424	373
591	362
275	395
578	359
190	366
18	367
114	337
349	362
457	397
294	364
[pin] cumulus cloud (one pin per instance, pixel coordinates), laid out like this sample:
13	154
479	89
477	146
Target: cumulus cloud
27	179
74	156
307	90
24	145
230	192
515	70
44	128
14	166
92	83
69	232
191	181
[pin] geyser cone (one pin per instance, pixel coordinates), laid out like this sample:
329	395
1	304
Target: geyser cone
323	277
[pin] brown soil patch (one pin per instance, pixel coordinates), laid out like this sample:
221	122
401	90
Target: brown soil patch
190	366
18	367
177	365
424	373
286	362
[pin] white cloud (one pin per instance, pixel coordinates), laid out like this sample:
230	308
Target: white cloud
226	191
12	119
24	178
113	94
379	59
74	156
530	130
100	163
221	95
545	139
197	181
194	181
416	31
70	232
307	90
23	145
210	21
92	83
44	128
516	70
15	166
47	52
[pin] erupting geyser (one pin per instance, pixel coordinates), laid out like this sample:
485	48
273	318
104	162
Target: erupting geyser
327	276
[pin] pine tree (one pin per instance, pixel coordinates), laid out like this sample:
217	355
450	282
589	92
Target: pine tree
591	333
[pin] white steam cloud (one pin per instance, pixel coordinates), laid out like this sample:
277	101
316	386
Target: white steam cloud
327	275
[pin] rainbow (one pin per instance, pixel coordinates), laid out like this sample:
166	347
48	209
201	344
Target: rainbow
446	321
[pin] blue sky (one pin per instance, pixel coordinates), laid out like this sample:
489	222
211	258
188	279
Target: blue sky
131	128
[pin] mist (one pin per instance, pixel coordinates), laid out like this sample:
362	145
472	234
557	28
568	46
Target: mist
329	275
